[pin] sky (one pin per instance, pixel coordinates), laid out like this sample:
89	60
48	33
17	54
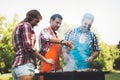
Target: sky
106	13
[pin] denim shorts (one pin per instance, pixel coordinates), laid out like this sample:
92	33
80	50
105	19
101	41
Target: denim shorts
26	69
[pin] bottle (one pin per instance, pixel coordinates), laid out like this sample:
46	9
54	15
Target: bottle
52	69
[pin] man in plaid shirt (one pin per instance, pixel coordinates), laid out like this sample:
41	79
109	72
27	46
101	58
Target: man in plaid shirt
85	46
50	44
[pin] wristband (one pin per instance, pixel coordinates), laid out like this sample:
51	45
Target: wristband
61	41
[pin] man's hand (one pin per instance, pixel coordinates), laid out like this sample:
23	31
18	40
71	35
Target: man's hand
90	59
70	46
68	43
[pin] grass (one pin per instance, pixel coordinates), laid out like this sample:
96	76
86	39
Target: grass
5	77
110	76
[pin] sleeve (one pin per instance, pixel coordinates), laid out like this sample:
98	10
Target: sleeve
44	35
95	43
26	36
43	40
69	35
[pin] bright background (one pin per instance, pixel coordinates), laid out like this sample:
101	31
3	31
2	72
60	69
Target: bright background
106	12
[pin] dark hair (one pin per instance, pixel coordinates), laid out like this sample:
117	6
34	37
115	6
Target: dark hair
32	14
53	17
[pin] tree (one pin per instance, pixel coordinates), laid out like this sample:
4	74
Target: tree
6	48
63	29
118	45
116	63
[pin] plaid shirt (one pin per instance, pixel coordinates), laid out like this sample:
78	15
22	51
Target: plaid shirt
44	38
70	36
23	38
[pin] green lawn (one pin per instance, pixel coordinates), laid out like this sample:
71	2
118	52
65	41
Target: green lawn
109	76
6	77
112	76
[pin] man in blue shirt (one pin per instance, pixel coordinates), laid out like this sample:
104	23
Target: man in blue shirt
85	48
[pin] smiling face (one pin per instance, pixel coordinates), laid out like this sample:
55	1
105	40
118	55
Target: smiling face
56	23
86	25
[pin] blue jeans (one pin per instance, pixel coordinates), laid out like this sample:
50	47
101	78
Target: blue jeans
22	70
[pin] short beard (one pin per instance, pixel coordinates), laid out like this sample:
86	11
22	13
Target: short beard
84	29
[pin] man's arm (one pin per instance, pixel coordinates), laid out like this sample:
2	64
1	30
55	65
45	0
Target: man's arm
95	48
39	56
92	57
